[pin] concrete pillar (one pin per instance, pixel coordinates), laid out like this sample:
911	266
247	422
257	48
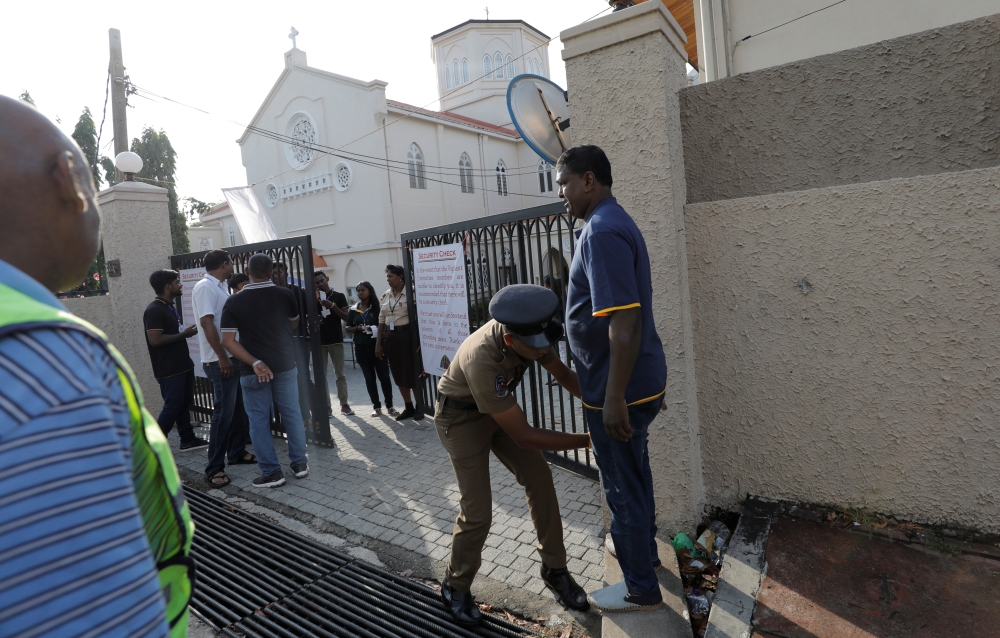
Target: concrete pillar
135	228
623	73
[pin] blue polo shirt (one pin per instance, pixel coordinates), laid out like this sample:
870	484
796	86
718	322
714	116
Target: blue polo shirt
74	559
610	271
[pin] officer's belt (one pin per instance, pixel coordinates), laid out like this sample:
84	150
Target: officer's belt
458	405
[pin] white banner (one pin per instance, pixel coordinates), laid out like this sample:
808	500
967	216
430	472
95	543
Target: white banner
189	277
255	225
442	306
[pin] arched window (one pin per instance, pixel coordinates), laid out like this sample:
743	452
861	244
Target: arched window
465	173
498	66
415	167
531	66
510	67
458	78
447	77
232	236
501	179
488	67
544	177
465	71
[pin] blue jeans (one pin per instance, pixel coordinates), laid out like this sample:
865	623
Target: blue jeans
223	441
178	395
283	390
628	487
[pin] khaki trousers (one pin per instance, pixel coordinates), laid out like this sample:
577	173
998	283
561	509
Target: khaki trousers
469	437
335	351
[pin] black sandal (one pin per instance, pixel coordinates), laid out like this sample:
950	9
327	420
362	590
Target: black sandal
245	461
225	480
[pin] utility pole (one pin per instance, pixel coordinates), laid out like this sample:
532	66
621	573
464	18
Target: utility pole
118	96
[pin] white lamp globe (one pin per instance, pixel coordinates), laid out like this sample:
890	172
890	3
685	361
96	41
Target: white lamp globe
128	163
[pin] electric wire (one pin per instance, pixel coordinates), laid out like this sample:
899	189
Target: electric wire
373	162
281	137
789	22
333	152
104	115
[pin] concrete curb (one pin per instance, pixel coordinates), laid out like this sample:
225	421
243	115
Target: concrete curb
742	572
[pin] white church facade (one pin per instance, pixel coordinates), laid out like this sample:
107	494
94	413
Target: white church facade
366	169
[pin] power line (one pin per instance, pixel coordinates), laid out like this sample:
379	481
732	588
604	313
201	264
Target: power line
789	22
449	170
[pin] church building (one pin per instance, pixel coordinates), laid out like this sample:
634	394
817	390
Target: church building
364	169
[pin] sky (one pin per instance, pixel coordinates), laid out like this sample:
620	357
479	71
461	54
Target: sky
223	57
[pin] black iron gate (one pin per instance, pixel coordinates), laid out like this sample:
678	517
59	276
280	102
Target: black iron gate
295	253
534	245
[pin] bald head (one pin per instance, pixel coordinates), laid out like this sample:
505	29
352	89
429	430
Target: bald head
49	214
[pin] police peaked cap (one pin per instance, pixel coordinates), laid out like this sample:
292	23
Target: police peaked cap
528	312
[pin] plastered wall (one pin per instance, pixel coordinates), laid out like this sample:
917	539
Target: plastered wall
847	343
916	105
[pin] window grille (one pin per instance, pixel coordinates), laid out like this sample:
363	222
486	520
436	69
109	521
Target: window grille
447	77
501	179
510	67
457	76
465	71
465	173
488	67
498	66
415	167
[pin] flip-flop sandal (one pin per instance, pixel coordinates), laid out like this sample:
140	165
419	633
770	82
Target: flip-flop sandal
245	461
226	480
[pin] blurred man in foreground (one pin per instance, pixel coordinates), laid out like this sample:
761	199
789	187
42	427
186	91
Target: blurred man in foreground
76	445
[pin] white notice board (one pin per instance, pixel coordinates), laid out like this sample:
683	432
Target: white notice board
442	306
189	277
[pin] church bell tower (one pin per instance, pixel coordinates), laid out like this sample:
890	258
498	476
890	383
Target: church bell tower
477	59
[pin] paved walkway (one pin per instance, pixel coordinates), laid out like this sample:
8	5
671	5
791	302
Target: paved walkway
393	482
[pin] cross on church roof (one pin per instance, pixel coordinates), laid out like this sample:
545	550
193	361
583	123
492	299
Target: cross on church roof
292	37
487	13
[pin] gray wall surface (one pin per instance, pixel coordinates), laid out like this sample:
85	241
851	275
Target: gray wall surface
847	345
918	105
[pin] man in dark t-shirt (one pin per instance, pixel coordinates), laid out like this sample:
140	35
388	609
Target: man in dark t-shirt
333	309
265	316
168	352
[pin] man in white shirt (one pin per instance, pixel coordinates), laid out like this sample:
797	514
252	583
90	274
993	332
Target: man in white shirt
207	299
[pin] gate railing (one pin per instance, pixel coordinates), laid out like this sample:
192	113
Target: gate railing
534	245
296	255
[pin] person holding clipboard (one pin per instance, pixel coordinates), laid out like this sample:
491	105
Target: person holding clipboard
362	323
394	343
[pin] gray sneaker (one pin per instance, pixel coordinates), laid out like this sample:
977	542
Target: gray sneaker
300	469
274	479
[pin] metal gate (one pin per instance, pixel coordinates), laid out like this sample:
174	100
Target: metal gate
533	245
296	255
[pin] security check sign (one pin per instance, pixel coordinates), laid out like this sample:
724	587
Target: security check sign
442	306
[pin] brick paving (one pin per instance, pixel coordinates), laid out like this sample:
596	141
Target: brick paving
393	482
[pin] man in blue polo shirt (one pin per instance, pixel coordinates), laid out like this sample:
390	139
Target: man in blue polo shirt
620	363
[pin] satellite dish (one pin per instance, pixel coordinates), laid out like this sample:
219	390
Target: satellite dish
539	109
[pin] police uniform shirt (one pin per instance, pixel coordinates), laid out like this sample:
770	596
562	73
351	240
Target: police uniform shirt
484	371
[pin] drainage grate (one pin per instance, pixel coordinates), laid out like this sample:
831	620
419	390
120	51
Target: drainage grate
259	580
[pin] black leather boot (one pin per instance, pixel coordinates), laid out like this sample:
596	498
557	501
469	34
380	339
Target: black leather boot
565	589
462	606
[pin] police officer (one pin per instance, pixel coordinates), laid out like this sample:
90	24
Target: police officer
477	412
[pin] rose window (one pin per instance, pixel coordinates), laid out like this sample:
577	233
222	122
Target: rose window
271	192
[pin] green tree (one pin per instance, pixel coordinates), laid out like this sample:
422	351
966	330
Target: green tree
26	97
85	135
194	209
159	167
